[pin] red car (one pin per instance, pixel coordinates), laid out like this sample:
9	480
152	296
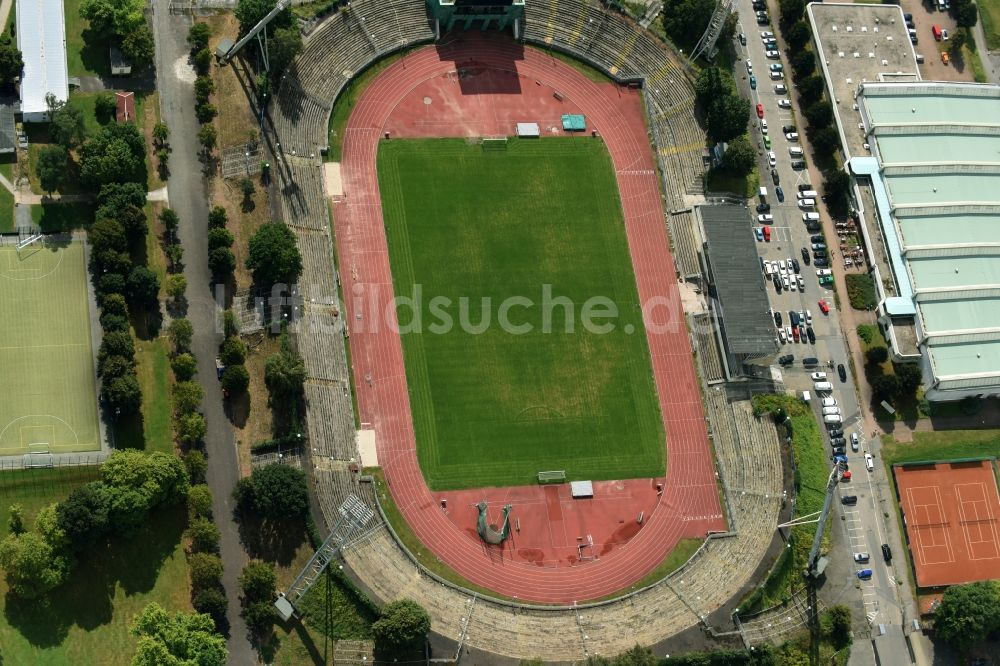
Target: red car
760	110
824	307
846	476
767	234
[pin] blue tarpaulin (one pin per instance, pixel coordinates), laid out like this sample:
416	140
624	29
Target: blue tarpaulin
573	122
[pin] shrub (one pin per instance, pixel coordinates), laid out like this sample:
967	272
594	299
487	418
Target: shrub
402	626
204	536
202	61
235	379
211	602
176	286
198	36
187	397
867	332
206	570
260	616
233	351
217	218
184	366
113	322
877	355
181	332
191	428
206	113
219	237
258	581
222	262
105	106
196	466
199	501
861	291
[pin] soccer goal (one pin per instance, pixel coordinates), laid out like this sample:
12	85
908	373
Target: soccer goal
26	242
495	143
553	476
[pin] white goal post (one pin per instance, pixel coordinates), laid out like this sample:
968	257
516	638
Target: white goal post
21	244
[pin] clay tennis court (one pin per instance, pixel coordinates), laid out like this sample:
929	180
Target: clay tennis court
950	511
480	85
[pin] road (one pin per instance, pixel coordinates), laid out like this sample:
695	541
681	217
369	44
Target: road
865	525
188	196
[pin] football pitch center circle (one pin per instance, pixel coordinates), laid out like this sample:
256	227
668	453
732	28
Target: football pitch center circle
677	512
38	433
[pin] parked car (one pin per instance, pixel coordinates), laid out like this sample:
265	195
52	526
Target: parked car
784	103
753	82
838	441
818	376
776	75
781	89
774	176
824	308
819	246
777	318
855	442
763	208
849	500
766	34
836	432
743	39
792	136
772	159
795	265
767	234
776	67
772	54
828	402
798	165
780	192
861	558
821	261
823	271
846	476
811	335
760	110
758	233
765	218
886	552
805	256
776	280
842	372
826	280
787	359
839	450
749	66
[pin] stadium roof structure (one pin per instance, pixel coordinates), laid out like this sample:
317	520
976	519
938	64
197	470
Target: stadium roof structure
41	37
736	281
8	130
935	172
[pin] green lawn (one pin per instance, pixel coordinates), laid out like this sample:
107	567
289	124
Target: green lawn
153	431
84	57
36	488
942	445
49	398
62	216
494	407
989	11
6	210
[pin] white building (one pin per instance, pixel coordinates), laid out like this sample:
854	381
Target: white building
41	37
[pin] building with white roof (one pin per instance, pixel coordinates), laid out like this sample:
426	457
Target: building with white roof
934	174
41	37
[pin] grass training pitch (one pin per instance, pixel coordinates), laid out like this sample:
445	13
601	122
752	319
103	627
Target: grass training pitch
494	408
48	400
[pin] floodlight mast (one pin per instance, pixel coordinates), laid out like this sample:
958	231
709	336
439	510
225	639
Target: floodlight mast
255	31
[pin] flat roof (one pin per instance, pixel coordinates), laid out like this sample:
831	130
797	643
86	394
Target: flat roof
938	150
41	37
739	284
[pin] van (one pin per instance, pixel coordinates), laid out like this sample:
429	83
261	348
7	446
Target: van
804	186
920	59
869	462
832	418
776	76
936	29
808	194
823	387
806	397
810	217
831	410
762	193
795	151
807	203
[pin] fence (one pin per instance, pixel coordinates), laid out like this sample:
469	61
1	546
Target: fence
59	476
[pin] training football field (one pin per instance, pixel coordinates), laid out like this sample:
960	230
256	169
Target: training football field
48	398
493	407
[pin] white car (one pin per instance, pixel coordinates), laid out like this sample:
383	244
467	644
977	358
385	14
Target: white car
771	53
792	136
818	376
802	283
776	75
764	218
822	272
784	283
829	402
766	35
781	89
784	103
749	67
763	125
782	265
828	411
772	159
788	333
794	283
781	335
809	315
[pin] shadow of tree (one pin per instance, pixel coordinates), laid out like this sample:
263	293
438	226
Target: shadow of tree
131	562
272	541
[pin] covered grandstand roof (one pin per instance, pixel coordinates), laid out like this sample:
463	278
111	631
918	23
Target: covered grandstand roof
734	272
41	37
936	150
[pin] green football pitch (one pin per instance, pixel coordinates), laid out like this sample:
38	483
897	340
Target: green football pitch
493	407
48	398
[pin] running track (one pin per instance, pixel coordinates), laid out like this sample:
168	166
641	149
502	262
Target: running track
690	498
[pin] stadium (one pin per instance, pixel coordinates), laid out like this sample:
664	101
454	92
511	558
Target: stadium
551	473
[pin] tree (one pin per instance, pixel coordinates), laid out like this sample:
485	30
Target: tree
111	283
235	379
284	376
274	255
116	344
133	219
204	86
202	61
966	14
207	136
205	112
212	602
247	188
32	567
884	386
250	12
287	44
187	397
712	84
105	106
161	132
204	535
113	17
114	198
181	332
15	519
826	142
959	38
811	89
115	366
142	287
199	501
798	36
68	127
727	118
115	155
219	237
170	221
217	218
221	261
196	466
206	569
11	62
258	581
402	625
877	355
114	303
819	114
138	46
740	157
176	286
83	516
837	190
198	36
909	377
159	477
233	351
51	169
840	626
791	11
803	63
685	20
191	428
112	322
184	366
177	639
968	614
275	491
260	616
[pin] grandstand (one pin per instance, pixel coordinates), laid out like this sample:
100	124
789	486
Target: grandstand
336	50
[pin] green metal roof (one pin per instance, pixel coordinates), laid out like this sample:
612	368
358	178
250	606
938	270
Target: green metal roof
938	229
961	314
965	358
938	272
932	108
944	188
902	148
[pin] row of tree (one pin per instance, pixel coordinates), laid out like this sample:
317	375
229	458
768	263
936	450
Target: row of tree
204	87
132	485
726	115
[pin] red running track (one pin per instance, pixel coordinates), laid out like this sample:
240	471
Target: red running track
689	504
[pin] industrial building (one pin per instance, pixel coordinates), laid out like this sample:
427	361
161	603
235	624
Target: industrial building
41	37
